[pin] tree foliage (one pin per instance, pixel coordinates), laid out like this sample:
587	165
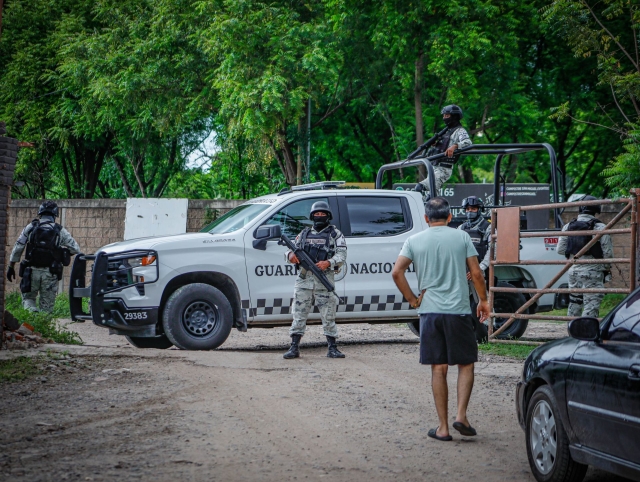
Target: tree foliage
117	97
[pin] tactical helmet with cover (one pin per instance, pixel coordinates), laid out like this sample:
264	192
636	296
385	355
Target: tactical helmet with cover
48	207
320	206
593	210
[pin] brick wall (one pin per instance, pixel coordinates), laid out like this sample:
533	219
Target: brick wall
96	222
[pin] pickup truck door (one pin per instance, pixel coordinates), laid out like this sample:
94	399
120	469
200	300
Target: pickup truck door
603	387
375	228
271	278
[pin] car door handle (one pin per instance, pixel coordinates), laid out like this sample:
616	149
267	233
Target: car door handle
634	372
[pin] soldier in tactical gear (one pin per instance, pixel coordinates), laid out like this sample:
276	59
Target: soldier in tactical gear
455	137
586	275
48	249
326	245
478	228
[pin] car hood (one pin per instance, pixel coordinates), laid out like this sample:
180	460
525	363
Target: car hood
155	242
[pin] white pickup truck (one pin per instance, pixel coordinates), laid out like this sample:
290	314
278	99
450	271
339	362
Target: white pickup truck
189	290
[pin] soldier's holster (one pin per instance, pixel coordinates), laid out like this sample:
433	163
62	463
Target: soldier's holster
25	282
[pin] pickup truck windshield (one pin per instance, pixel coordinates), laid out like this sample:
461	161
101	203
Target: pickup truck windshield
235	219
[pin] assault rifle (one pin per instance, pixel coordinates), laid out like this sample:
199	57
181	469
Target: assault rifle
418	152
307	263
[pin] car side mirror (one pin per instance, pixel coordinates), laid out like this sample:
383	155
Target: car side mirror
587	329
264	234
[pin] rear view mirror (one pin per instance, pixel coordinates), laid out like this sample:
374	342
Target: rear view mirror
264	234
587	329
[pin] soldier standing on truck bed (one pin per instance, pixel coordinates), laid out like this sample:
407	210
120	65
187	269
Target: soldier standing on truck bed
586	275
49	248
455	137
326	245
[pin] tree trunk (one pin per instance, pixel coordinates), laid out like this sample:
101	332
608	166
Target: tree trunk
417	99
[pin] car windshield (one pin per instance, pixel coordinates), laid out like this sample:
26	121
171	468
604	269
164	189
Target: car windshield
235	219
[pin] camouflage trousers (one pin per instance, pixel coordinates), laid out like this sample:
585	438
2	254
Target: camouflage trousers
442	175
45	283
585	304
303	302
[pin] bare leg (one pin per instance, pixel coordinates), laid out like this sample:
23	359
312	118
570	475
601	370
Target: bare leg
441	397
465	385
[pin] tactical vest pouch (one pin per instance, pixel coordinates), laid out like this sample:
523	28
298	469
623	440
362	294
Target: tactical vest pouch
25	282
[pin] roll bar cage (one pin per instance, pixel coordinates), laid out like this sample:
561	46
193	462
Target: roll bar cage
501	150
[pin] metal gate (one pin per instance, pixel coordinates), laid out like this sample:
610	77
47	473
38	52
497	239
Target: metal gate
506	251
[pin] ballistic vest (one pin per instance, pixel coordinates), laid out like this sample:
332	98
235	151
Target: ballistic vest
576	243
477	234
318	245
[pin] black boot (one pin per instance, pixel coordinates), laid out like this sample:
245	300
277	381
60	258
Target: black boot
293	352
333	351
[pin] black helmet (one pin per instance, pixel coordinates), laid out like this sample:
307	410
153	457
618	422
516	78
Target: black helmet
320	206
453	110
589	209
473	201
48	207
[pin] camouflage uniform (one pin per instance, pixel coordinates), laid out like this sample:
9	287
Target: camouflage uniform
308	287
442	173
484	263
587	275
42	281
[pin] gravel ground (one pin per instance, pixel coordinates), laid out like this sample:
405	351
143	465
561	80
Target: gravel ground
108	411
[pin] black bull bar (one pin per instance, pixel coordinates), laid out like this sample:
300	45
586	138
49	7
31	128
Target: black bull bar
105	311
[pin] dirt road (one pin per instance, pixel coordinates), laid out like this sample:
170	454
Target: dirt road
107	412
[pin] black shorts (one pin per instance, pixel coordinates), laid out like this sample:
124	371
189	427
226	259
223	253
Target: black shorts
447	339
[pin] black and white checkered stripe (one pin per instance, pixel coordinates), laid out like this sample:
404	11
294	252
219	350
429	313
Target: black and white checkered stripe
364	303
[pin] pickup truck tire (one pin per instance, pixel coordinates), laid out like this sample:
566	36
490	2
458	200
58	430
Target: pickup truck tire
160	342
509	303
197	316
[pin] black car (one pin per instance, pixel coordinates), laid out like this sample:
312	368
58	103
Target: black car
579	398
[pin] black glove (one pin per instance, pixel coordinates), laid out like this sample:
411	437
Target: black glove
11	273
419	188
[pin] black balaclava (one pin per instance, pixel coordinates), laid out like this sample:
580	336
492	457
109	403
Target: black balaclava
453	120
320	222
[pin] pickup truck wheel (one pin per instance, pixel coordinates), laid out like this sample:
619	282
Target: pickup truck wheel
547	441
509	303
414	326
197	317
160	342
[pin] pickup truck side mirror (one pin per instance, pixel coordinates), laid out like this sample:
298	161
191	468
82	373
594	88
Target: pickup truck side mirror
587	329
264	234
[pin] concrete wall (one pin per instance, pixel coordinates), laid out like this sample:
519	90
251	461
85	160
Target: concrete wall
96	222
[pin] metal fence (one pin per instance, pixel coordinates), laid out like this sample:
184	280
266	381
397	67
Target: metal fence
505	250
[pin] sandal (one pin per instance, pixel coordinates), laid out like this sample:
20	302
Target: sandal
433	433
464	430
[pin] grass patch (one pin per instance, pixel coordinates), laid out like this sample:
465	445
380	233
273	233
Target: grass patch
513	351
45	323
609	302
18	369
